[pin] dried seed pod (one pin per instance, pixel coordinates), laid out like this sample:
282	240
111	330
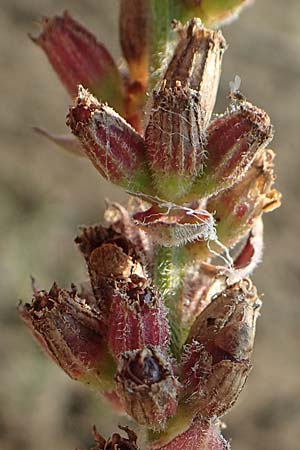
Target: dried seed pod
217	358
70	331
78	58
233	141
196	64
172	225
147	386
114	147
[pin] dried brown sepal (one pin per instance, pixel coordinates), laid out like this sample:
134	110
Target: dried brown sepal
70	331
147	386
196	64
175	139
217	358
114	147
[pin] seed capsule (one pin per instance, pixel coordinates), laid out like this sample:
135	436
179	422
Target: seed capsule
138	317
217	358
147	386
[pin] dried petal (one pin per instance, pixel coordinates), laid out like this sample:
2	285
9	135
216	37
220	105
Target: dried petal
216	361
113	146
70	331
147	386
78	58
245	260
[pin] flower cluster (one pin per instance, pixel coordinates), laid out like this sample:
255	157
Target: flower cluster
161	328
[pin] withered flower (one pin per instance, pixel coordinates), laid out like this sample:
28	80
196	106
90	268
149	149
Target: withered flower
147	386
70	331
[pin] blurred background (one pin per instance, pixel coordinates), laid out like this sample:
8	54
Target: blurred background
46	193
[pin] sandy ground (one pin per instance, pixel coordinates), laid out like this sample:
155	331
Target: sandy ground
45	194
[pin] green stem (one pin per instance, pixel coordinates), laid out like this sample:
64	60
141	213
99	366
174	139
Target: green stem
163	37
175	426
169	274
